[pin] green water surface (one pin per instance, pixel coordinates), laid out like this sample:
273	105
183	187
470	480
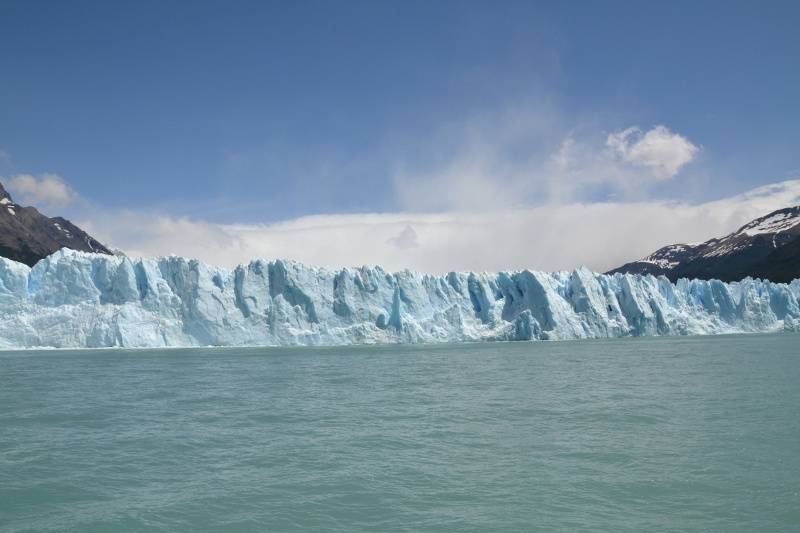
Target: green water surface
663	434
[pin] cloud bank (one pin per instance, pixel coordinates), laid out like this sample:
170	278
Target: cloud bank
600	235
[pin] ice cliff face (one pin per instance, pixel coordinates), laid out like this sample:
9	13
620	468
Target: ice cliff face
76	299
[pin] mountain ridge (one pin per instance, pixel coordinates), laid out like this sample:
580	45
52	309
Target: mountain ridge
767	247
27	236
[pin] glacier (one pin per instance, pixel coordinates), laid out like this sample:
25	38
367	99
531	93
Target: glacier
83	300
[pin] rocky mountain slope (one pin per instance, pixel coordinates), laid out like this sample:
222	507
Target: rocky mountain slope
27	236
767	248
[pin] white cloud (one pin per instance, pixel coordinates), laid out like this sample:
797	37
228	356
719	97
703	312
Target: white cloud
46	191
551	237
658	150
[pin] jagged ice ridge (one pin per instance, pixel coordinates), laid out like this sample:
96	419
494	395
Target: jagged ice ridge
77	299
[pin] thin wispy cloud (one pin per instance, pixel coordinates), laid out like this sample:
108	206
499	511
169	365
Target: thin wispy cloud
529	157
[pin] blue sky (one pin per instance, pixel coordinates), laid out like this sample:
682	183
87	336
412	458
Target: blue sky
256	112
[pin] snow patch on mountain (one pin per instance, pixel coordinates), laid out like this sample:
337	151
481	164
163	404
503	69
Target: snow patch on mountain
775	223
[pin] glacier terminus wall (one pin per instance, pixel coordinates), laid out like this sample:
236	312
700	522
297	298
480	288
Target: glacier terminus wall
76	299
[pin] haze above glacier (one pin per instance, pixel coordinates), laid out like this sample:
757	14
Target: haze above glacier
599	235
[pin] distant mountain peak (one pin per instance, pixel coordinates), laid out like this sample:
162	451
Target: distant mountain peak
4	194
763	247
26	235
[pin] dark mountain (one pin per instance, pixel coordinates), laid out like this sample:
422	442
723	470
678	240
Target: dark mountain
26	235
768	247
781	265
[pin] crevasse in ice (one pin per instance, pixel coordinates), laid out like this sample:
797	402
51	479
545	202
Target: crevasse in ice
76	299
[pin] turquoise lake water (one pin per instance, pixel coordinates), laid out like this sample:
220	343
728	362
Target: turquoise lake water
659	434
